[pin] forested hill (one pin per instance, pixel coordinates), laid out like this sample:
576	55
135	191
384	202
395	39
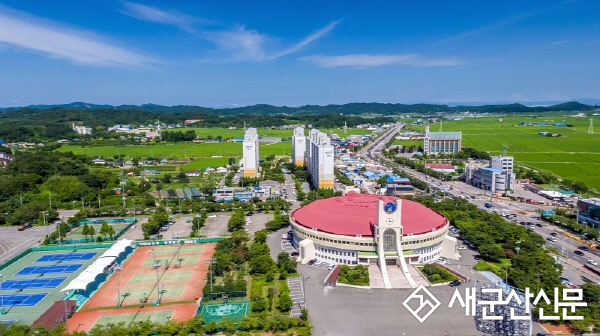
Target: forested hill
264	109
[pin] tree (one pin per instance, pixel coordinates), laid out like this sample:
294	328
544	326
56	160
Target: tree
285	263
111	231
261	264
104	229
285	301
91	231
236	221
85	231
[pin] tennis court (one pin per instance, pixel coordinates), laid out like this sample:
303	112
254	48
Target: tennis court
154	317
22	300
33	283
50	269
76	256
235	310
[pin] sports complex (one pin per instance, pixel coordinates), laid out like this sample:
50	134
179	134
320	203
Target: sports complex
364	229
122	281
32	283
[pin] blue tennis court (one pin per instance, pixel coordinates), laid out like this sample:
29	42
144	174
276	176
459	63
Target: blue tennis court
33	283
76	256
22	300
49	269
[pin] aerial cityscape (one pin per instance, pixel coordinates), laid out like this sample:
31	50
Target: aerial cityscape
310	168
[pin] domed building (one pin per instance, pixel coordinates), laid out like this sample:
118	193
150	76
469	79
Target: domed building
364	229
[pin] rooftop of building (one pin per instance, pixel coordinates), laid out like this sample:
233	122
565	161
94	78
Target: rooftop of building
355	214
444	135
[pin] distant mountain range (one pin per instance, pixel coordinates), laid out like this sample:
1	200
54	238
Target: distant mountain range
347	109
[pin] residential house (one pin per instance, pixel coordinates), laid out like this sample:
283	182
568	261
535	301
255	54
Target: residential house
192	173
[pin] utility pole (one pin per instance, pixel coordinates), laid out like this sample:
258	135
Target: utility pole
117	269
210	261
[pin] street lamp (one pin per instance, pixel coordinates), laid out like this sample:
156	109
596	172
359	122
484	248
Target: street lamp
44	213
303	279
117	269
210	262
198	223
123	184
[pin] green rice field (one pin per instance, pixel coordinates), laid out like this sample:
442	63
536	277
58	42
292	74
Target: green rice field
574	155
205	151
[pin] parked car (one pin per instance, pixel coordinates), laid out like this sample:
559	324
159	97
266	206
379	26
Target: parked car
212	216
462	247
455	283
552	239
579	253
477	257
331	267
311	262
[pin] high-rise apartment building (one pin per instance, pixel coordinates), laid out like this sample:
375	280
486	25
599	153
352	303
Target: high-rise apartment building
320	159
298	146
250	160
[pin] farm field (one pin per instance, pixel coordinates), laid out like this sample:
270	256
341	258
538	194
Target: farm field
239	133
206	151
574	155
181	150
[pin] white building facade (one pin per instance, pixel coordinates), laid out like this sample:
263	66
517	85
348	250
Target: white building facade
441	143
320	160
298	146
250	160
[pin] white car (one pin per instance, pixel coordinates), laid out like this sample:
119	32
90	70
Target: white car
462	247
212	216
593	262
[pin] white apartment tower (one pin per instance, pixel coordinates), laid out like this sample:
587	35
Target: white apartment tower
320	159
250	160
298	146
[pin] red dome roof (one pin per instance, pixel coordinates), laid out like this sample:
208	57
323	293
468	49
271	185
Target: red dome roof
354	214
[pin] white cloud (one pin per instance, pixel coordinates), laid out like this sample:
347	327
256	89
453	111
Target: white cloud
376	60
239	43
307	40
153	14
242	44
34	34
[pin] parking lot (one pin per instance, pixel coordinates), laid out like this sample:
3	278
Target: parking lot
257	222
215	226
13	242
297	295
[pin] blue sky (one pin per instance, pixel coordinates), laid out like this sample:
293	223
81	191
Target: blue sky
236	53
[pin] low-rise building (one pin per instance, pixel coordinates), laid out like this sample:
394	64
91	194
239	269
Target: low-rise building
589	211
441	167
192	173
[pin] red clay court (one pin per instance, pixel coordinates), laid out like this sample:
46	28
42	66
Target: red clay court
181	272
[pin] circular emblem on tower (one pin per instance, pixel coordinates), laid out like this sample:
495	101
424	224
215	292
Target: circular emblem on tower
389	207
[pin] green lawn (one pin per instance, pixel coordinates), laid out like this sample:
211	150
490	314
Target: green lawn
574	155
